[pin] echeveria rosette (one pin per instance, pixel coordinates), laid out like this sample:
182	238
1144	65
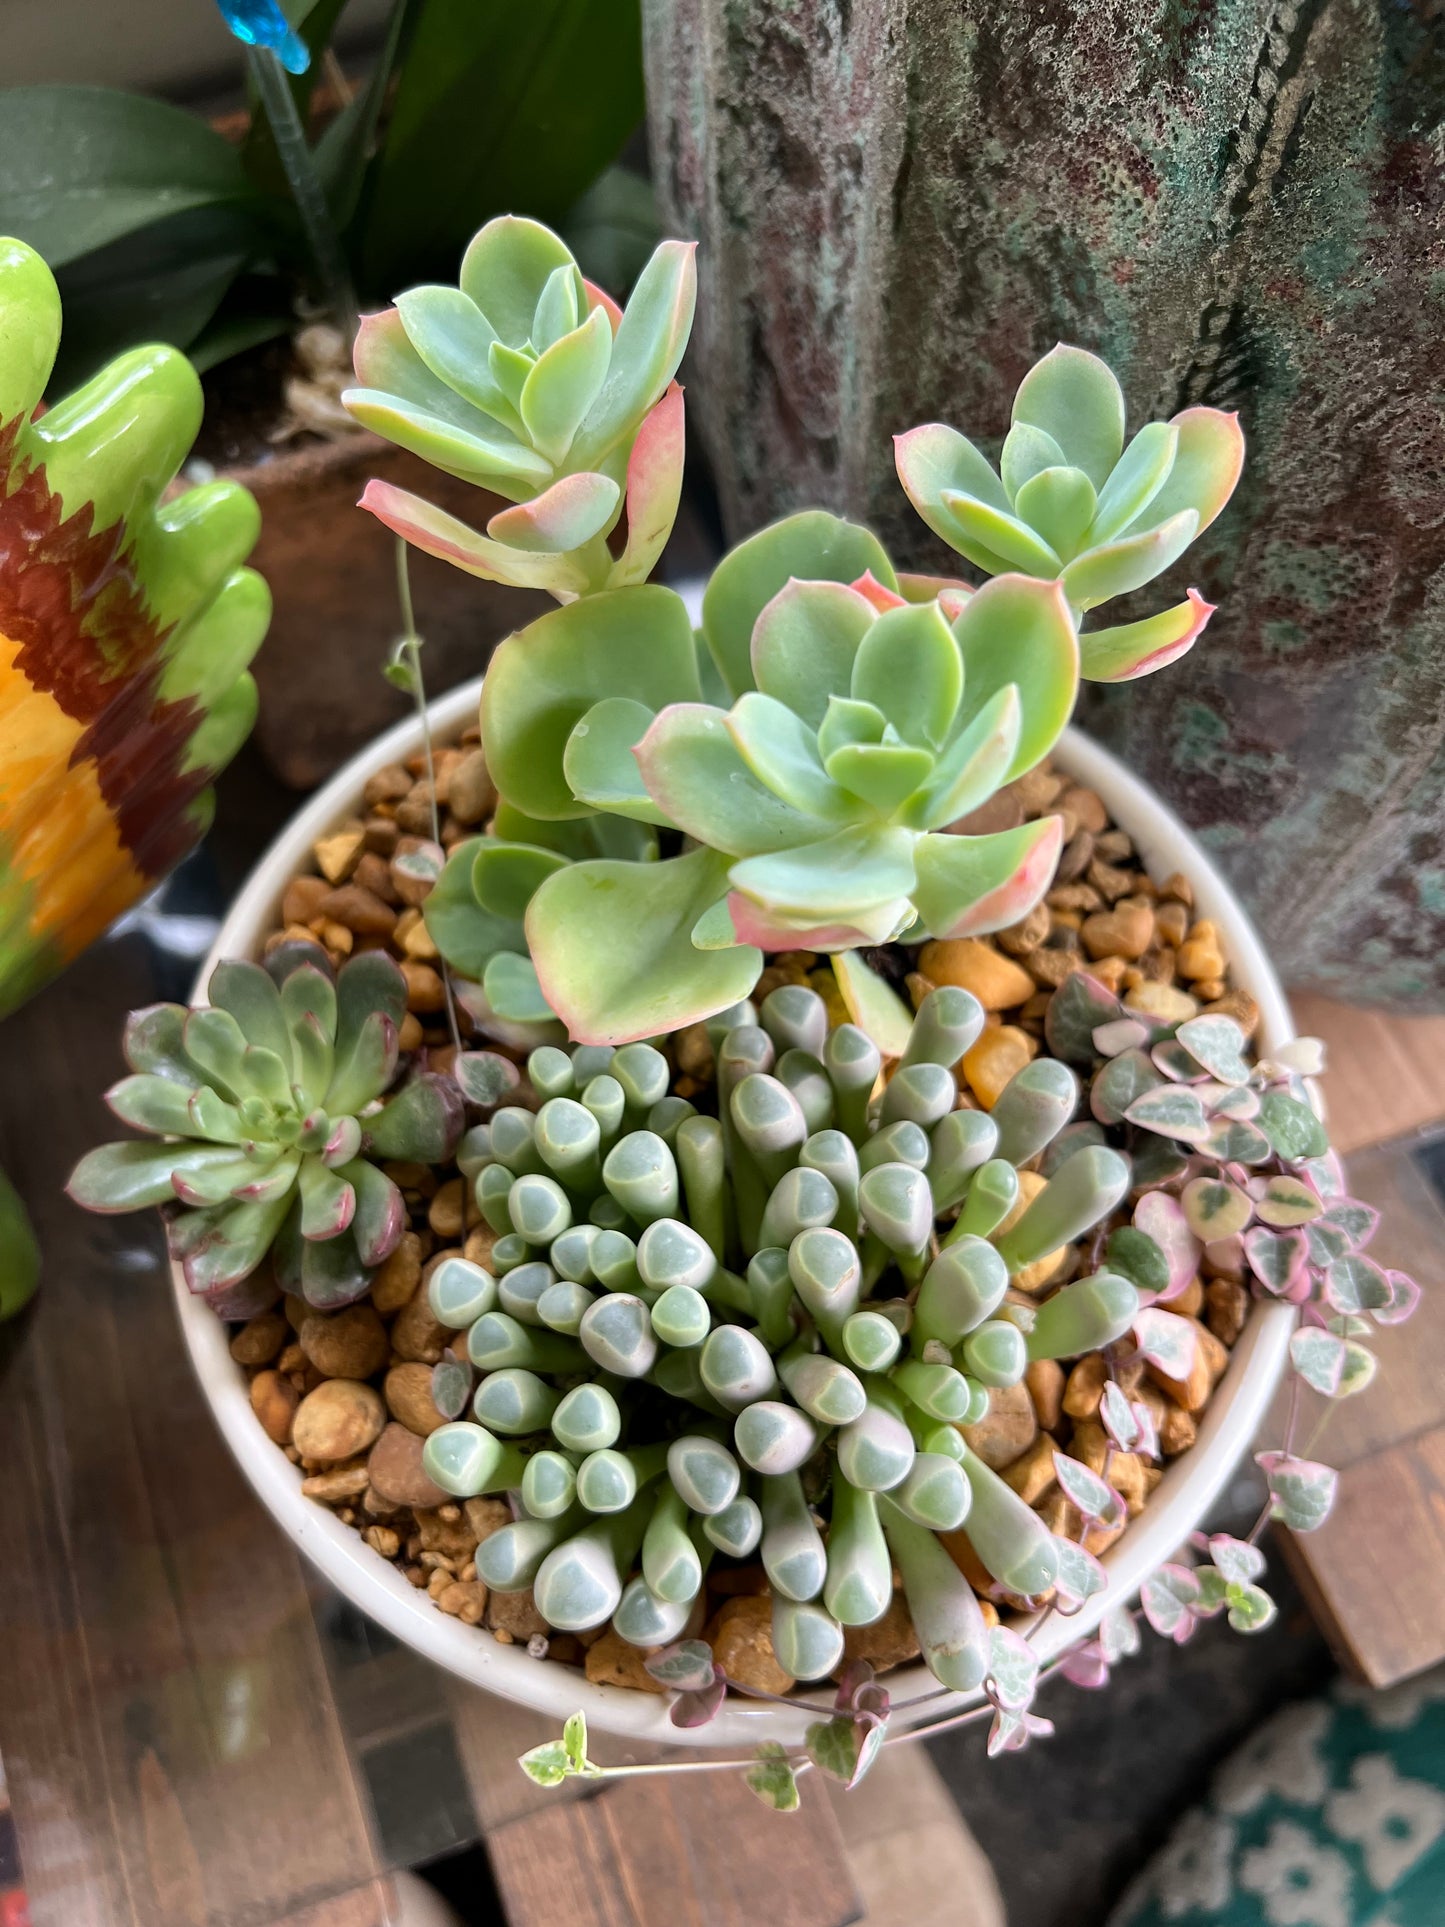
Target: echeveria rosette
266	1107
1073	504
531	383
126	624
694	1332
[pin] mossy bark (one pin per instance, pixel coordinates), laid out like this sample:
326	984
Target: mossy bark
903	202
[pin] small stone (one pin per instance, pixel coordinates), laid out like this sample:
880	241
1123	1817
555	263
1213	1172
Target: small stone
292	1357
373	873
1239	1005
1200	954
1075	857
486	1516
996	1058
335	1488
381	835
471	793
1109	971
417	1334
1208	988
1126	931
303	899
1051	964
387	785
416	939
1171	922
1164	1002
1038	790
694	1052
337	938
1227	1307
382	1539
1085	1388
407	1391
1210	1359
1190	1301
425	992
1007	1429
274	1400
889	1641
410	1036
741	1637
414	811
464	1599
1080	898
611	1661
1045	1380
478	1248
395	1470
1115	846
1111	882
451	1537
337	855
1177	1430
360	911
447	1212
1086	807
1026	935
1093	1447
350	1343
513	1616
970	963
1179	888
1033	1474
260	1338
398	1278
338	1420
1002	811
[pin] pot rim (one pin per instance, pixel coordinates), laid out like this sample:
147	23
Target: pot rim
1188	1488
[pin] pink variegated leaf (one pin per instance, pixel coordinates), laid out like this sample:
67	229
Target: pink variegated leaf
1169	1598
1124	1033
1302	1492
1093	1496
1174	1061
1404	1297
1148	1442
1085	1665
1116	1415
687	1667
1166	1341
1173	1110
1357	1284
1356	1220
1013	1670
562	517
1119	1634
1279	1259
1319	1358
1133	649
1237	1559
654	488
1079	1575
1011	1732
699	1705
1161	1217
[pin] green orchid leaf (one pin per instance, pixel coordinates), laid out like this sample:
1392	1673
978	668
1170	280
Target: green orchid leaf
882	775
1028	451
599	764
1073	396
1207	465
1058	504
909	667
563	517
635	643
1128	563
974	766
992	537
648	347
814	547
1020	632
782	752
1138	476
1135	649
804	644
694	773
970	885
453	338
637	973
564	383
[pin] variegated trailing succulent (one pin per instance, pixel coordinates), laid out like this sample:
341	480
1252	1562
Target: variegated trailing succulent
267	1107
674	805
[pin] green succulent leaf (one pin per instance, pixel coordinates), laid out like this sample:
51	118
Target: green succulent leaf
654	489
450	540
1135	649
882	775
1074	397
804	644
1028	451
970	885
992	538
1138	476
150	1103
564	383
465	933
1019	632
648	347
453	338
1207	464
511	987
599	764
565	516
909	667
1128	563
487	455
974	766
505	272
782	752
934	460
694	773
638	973
1058	505
836	881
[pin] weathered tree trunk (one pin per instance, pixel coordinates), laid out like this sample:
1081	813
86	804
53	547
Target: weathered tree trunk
902	202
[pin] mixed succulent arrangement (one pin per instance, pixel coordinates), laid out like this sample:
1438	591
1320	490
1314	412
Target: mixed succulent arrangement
763	1324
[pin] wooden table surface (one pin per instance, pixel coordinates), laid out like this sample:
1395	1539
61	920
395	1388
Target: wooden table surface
197	1733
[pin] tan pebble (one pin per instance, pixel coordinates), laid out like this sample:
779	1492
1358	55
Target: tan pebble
464	1599
333	1488
413	890
359	910
1007	1429
1210	1359
1049	966
1002	811
387	785
471	793
515	1615
382	1539
1179	888
418	944
274	1400
1039	789
1085	1388
1033	1474
337	938
1033	1277
959	1548
741	1637
1124	932
260	1338
438	1580
438	1533
1190	1301
1239	1005
1164	1002
1045	1380
481	1240
337	855
373	873
997	1057
1200	955
486	1516
292	1356
1171	922
889	1641
303	899
997	981
1208	988
1115	846
1087	808
407	1391
414	812
425	992
693	1050
612	1662
446	1213
1074	900
338	1420
1066	924
1177	1430
350	1343
1110	881
416	1334
381	835
395	1470
1109	971
1075	857
1226	1309
398	1278
416	1577
410	1036
1026	935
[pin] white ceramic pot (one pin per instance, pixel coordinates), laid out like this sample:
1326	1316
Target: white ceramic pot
1189	1486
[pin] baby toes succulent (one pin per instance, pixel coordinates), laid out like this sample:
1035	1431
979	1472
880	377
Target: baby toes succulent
268	1130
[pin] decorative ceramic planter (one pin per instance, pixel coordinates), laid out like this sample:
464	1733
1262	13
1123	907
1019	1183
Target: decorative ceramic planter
1185	1494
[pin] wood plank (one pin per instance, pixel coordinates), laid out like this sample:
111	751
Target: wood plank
1374	1573
1384	1075
172	1748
